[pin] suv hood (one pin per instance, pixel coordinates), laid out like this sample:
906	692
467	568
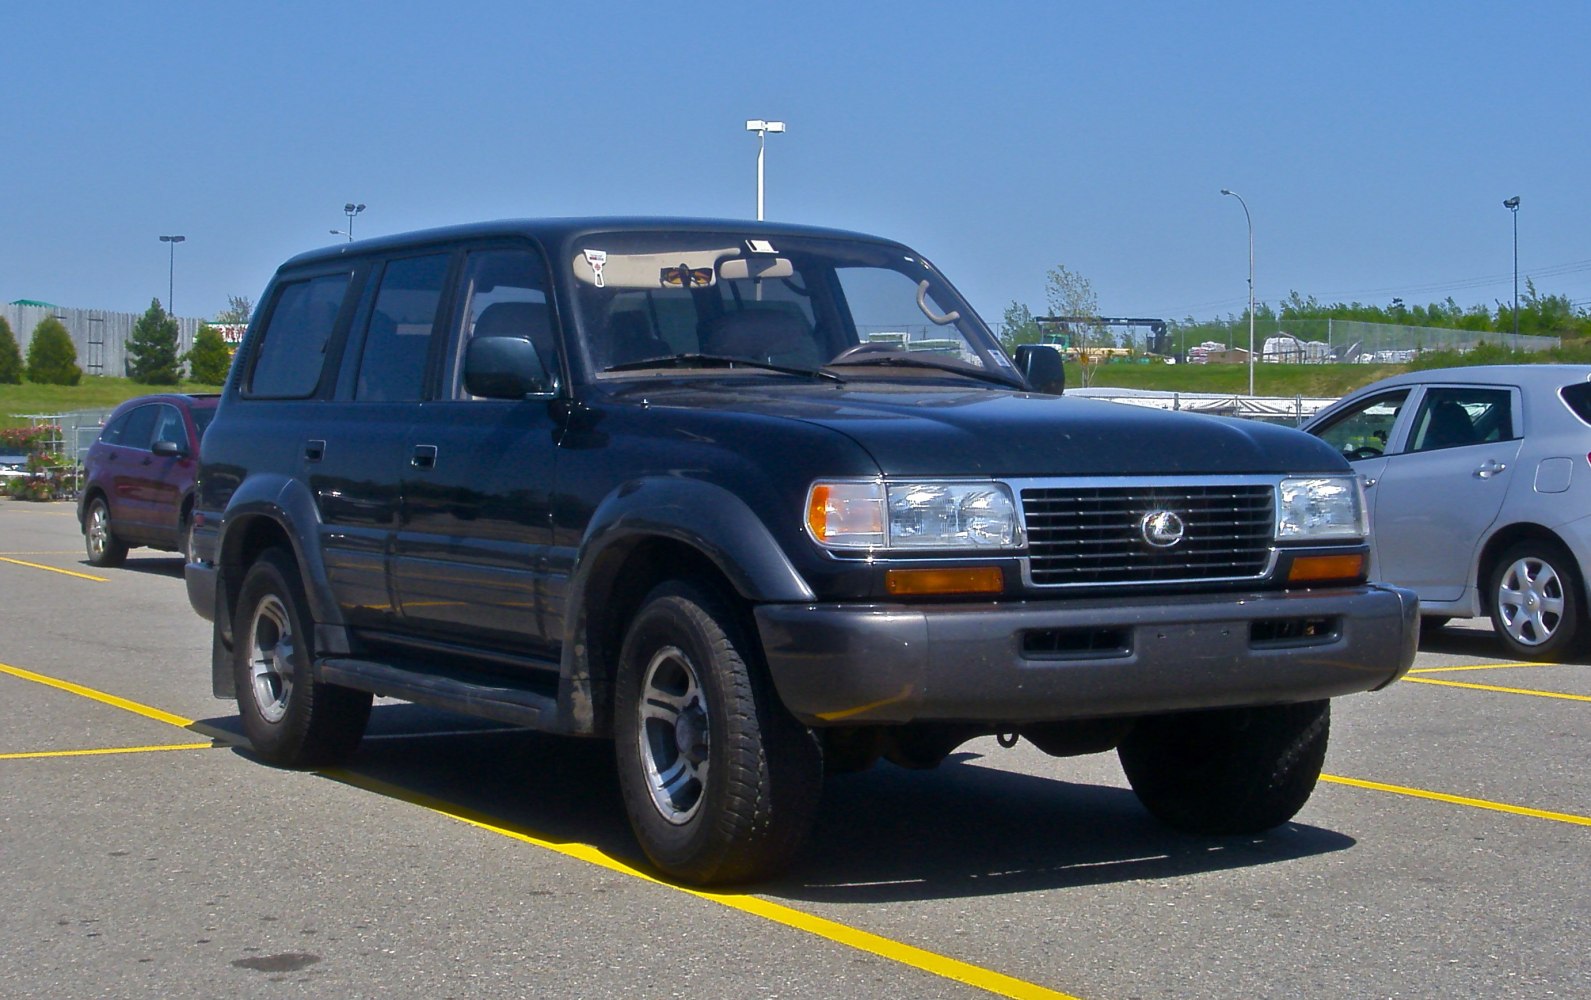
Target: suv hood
912	429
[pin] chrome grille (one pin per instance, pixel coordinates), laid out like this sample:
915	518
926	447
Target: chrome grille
1091	535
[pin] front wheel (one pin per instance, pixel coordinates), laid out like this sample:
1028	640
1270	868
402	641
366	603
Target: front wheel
1535	602
1228	771
291	718
719	780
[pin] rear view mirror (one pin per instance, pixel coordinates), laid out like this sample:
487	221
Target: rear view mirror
1043	367
504	368
168	449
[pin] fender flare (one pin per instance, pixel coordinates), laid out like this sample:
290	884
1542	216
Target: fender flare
707	518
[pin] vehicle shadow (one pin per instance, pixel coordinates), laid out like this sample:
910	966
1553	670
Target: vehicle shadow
887	834
163	565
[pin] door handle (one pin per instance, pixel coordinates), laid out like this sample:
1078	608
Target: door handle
1491	468
424	456
314	451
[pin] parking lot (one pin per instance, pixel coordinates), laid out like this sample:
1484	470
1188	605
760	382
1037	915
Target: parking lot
144	853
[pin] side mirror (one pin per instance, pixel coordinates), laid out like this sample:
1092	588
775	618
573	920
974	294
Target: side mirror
504	368
1043	367
168	449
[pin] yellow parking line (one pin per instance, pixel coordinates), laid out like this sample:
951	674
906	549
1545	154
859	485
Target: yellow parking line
851	937
1498	690
105	751
1483	666
99	696
52	569
1460	800
52	552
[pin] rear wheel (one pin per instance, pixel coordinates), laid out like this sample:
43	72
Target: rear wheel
719	780
99	538
1228	771
1536	602
291	718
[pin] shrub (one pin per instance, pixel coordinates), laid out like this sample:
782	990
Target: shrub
10	356
152	348
52	360
209	358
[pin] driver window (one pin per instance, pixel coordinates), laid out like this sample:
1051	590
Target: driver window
1364	432
505	295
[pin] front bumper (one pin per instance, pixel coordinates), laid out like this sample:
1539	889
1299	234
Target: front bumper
1037	661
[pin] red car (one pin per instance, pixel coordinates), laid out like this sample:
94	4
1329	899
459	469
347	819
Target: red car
138	476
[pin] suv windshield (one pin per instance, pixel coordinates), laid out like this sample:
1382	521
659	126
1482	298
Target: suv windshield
785	302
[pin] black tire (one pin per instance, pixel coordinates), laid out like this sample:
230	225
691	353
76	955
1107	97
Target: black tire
99	537
719	780
185	537
1534	592
1228	771
291	718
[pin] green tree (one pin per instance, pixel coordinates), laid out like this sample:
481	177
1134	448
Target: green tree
1070	294
10	356
210	357
152	349
238	310
1019	327
52	360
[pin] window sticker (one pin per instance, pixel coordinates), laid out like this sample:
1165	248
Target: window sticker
597	258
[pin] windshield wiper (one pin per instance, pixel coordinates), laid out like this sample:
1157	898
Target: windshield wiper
719	361
898	360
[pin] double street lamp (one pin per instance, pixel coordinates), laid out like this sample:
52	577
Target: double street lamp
1512	204
762	128
1250	219
349	210
171	270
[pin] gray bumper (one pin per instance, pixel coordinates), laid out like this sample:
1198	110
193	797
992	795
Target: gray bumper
1038	661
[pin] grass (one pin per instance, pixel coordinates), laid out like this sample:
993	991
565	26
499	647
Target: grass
95	392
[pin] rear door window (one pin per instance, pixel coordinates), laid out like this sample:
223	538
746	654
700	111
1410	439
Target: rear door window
1456	416
292	350
392	366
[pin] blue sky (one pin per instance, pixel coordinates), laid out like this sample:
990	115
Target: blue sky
1374	143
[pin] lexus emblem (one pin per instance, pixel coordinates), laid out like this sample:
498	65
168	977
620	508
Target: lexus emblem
1161	529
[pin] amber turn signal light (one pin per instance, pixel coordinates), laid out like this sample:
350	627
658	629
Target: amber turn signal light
1308	569
973	580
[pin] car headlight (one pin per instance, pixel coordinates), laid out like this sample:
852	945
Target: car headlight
911	515
1324	507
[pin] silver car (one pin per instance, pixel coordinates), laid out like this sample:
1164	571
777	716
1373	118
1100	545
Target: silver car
1479	486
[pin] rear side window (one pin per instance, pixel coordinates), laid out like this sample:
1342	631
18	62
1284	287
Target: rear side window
1578	398
393	365
292	351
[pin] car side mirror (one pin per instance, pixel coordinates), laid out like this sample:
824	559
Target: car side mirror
504	368
168	449
1043	367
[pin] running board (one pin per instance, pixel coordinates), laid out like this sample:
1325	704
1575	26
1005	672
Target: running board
483	696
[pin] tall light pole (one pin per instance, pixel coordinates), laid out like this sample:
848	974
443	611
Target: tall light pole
349	210
762	129
171	271
1250	219
1512	204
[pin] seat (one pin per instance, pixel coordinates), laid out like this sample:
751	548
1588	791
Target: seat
1448	426
762	334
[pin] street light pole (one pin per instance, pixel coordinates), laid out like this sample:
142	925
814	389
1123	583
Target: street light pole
1512	204
1250	219
349	210
762	128
171	271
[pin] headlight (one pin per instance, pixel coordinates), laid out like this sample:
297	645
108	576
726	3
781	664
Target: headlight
1323	508
915	515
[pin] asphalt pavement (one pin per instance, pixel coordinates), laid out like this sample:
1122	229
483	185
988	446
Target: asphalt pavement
145	853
